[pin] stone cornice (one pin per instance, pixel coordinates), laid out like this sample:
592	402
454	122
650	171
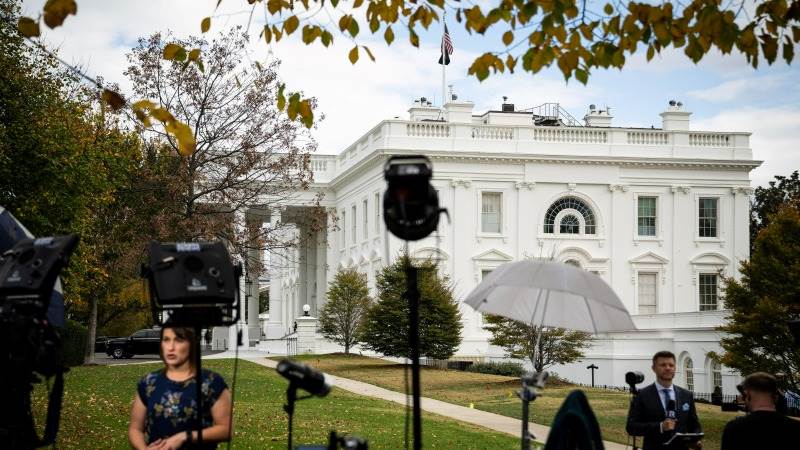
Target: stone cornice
379	156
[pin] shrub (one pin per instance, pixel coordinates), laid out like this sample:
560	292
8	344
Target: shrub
73	343
510	369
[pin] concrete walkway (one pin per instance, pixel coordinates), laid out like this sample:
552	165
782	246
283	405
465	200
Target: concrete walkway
485	419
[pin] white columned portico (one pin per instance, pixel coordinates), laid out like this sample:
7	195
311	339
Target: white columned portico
274	325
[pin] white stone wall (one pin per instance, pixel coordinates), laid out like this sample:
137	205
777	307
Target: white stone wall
532	167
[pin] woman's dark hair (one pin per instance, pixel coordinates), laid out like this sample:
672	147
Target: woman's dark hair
185	333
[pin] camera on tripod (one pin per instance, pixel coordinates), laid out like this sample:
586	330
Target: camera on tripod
632	379
29	343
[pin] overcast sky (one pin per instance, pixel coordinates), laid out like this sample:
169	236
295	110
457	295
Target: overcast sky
723	92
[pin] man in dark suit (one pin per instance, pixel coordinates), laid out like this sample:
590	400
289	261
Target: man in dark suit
652	410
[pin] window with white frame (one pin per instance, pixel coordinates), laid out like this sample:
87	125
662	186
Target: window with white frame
716	376
646	216
485	273
365	214
708	289
354	224
688	369
647	292
343	228
567	223
377	213
491	212
707	215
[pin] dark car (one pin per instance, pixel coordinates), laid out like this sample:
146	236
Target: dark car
100	342
142	342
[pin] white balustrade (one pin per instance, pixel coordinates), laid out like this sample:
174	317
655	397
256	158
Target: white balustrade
648	137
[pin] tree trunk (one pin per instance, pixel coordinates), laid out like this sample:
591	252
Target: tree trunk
346	349
88	355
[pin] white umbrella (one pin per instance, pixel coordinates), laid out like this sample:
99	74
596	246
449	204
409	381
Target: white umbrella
551	294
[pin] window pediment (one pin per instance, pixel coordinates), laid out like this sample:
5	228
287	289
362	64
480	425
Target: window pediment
711	259
649	258
493	255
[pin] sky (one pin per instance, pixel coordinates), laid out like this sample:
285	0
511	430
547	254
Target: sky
723	92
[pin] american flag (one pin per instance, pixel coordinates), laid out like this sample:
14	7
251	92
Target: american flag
447	48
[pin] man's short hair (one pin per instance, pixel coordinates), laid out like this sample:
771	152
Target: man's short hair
761	382
663	354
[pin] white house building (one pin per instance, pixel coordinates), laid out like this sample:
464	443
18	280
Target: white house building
661	214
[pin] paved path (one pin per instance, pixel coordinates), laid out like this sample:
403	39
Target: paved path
485	419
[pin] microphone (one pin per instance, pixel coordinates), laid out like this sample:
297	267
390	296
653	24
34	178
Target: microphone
671	409
304	377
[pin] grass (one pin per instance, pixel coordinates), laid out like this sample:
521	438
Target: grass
495	393
97	406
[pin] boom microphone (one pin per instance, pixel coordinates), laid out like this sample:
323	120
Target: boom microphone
304	377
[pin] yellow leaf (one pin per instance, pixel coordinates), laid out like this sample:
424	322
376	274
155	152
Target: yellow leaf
306	114
281	97
28	27
56	11
194	54
508	38
144	104
113	99
291	24
183	134
170	50
357	3
267	34
388	35
205	25
353	55
162	115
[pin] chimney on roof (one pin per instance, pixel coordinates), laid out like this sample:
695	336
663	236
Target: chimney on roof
675	118
598	117
507	107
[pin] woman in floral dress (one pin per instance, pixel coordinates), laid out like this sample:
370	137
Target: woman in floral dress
163	416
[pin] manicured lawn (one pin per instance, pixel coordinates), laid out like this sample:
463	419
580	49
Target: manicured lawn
97	406
497	394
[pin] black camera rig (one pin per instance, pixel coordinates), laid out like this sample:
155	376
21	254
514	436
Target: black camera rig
29	343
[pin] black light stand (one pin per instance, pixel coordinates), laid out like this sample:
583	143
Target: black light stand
592	367
412	295
291	399
527	395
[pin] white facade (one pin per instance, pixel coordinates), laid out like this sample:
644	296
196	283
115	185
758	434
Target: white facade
659	214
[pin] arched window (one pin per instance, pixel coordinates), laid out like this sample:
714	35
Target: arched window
568	223
716	375
688	369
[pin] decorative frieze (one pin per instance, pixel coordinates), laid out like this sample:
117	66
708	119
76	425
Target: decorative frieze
525	184
618	188
463	183
745	190
681	188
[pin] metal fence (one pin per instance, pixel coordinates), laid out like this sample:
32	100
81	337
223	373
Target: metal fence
291	346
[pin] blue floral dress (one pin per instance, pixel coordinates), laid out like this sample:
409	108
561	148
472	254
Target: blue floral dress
171	404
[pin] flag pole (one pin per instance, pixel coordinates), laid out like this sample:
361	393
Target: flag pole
444	58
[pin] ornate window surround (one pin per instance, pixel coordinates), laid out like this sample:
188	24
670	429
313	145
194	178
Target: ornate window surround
720	238
504	210
659	237
598	220
709	262
648	262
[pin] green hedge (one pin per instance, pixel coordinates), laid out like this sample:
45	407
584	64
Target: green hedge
510	369
73	343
